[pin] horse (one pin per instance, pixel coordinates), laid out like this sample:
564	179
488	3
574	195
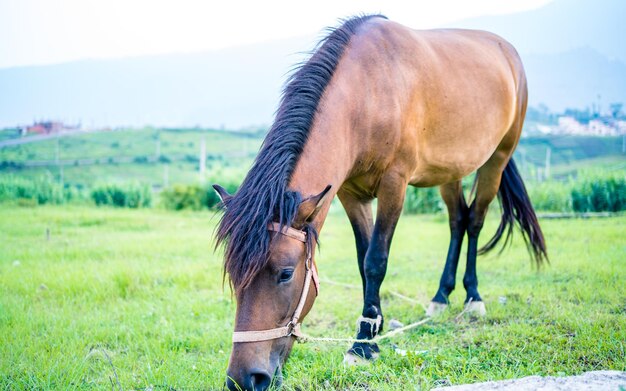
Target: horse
376	108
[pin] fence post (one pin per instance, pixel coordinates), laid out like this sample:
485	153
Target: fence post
548	156
56	154
202	158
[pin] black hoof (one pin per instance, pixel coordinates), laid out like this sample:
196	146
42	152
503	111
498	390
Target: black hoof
365	351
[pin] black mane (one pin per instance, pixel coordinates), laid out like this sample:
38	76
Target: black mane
263	196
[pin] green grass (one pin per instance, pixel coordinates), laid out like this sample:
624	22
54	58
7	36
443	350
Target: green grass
229	153
8	134
132	142
232	152
142	289
151	174
568	149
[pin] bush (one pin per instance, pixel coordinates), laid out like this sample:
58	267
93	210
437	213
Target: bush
422	200
600	194
9	164
194	197
551	196
189	158
591	193
40	191
180	197
164	159
129	195
140	159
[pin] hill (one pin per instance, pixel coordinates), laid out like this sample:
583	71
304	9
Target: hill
165	156
158	157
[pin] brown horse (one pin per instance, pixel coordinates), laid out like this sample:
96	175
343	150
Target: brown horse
376	108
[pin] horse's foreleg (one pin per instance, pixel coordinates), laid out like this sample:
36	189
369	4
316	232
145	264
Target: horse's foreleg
360	215
390	199
452	194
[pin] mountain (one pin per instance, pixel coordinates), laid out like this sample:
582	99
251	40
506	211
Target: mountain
573	52
234	87
577	78
561	26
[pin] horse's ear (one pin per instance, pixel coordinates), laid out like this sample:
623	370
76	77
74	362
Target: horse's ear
311	206
222	193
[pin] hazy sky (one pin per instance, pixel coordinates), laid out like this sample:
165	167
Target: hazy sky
53	31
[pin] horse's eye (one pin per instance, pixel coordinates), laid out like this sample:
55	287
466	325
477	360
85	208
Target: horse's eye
285	275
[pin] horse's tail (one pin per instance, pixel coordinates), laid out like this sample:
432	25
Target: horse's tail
515	205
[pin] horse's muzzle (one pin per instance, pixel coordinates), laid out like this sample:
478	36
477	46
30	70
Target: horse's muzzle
254	380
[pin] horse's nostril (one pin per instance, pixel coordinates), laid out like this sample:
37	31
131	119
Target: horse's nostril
231	384
260	380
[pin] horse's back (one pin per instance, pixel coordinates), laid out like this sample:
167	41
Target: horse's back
437	103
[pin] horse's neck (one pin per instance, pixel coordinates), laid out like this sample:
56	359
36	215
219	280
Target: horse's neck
324	161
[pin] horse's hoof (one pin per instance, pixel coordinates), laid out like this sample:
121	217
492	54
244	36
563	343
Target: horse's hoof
435	308
476	307
361	353
351	359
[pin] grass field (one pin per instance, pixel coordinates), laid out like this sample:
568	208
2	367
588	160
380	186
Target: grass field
230	154
134	297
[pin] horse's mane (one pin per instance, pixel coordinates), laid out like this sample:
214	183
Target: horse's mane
263	196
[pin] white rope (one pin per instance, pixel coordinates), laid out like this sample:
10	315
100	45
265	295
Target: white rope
306	338
392	293
467	306
405	298
373	322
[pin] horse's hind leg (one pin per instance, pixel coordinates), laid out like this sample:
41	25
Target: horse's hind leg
391	193
452	194
488	182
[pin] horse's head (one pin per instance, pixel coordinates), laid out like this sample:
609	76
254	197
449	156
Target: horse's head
271	305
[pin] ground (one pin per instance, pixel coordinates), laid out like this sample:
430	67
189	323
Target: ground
588	381
95	297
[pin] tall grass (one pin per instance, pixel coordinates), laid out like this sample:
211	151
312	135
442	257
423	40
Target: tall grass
596	191
590	192
423	200
551	196
193	196
132	195
42	190
599	194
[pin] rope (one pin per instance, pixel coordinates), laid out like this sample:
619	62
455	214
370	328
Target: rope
405	298
392	293
306	338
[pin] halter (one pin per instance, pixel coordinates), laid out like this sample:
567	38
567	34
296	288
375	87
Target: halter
293	327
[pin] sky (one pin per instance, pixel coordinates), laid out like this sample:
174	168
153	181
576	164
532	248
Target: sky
39	32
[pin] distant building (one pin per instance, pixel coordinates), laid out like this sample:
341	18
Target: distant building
569	125
48	127
603	126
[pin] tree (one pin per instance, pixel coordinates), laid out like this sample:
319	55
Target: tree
616	109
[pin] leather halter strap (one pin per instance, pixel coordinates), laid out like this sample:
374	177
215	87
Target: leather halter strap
293	327
288	231
301	236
